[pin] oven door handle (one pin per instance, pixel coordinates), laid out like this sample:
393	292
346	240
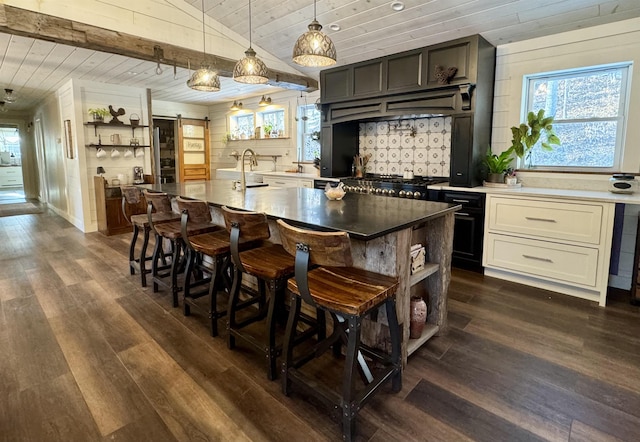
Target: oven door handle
462	214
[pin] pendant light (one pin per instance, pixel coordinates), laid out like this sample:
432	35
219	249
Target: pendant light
250	69
314	48
3	108
8	96
204	79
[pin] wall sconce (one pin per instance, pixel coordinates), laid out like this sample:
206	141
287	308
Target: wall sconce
237	105
265	101
3	108
100	171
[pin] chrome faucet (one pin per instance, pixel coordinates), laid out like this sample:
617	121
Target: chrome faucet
253	161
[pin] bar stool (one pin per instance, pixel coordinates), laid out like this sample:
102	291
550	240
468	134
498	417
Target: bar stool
132	197
166	275
271	265
348	294
216	246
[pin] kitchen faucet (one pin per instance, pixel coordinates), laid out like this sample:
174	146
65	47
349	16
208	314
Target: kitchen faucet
253	161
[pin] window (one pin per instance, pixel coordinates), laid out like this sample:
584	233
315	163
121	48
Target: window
589	106
272	122
242	126
308	132
10	146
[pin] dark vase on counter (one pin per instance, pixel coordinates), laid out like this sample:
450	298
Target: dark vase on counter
417	317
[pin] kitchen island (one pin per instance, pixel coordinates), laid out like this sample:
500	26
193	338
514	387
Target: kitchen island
382	231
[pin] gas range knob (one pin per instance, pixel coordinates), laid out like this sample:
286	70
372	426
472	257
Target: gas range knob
385	192
392	192
417	195
378	191
402	194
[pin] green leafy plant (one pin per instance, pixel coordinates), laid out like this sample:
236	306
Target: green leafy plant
498	163
528	134
268	127
99	111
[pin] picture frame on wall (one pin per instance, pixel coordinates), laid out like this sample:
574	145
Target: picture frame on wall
68	140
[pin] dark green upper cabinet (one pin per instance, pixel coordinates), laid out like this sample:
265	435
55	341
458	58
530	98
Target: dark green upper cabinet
446	64
336	84
404	71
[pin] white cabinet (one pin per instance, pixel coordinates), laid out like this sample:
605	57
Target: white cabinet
559	245
11	176
278	181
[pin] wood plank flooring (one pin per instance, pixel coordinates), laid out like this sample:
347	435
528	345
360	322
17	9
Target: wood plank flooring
86	354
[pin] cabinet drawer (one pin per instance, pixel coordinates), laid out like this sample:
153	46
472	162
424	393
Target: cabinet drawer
546	219
548	260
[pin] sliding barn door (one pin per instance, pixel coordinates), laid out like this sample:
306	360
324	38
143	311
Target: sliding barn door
193	149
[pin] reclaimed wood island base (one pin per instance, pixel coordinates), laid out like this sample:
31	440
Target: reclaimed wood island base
382	231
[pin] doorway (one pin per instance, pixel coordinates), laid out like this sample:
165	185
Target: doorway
11	181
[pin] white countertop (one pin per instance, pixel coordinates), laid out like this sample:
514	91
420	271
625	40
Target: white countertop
586	195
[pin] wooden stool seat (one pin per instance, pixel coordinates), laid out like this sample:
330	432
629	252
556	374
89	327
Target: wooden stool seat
268	262
172	230
142	220
348	294
347	290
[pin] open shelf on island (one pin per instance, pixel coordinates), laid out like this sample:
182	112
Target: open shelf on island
428	270
428	332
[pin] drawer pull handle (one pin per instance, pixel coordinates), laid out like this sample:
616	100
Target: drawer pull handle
546	220
459	201
462	214
537	258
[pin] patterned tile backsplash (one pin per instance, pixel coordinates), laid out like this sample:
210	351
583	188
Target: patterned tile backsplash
421	145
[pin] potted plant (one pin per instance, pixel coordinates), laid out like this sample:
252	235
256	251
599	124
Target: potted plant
497	165
98	113
528	134
267	127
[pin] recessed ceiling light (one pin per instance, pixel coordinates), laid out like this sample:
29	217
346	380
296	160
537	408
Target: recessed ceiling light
397	6
334	26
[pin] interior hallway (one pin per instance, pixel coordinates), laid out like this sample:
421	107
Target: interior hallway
88	355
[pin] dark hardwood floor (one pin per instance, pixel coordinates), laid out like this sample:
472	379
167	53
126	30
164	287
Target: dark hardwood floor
86	354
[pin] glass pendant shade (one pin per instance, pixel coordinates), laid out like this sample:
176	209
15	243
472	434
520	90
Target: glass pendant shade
204	79
314	48
250	69
8	96
3	108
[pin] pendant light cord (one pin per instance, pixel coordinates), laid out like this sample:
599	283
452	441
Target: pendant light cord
204	50
314	10
249	23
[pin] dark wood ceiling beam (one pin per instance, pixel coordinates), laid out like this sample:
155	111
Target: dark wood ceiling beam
59	30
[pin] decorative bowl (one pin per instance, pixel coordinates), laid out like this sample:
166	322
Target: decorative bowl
334	194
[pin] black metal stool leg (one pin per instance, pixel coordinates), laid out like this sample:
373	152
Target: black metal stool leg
394	332
349	405
289	338
191	257
157	249
132	249
233	306
143	257
175	266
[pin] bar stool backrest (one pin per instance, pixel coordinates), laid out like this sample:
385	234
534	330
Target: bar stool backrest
331	249
253	225
159	200
244	226
197	210
130	196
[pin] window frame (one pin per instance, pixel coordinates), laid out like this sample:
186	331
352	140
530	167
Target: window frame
622	117
303	131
